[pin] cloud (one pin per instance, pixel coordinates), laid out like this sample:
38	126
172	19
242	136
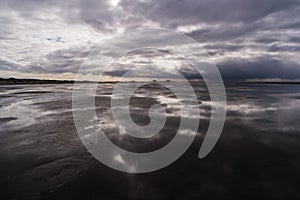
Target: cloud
260	68
175	13
246	39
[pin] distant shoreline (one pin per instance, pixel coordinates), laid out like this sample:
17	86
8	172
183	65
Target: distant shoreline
14	81
261	82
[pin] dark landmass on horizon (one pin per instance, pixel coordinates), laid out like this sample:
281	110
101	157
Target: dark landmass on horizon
16	81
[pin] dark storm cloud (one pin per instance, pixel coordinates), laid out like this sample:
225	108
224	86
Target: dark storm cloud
174	13
237	70
251	30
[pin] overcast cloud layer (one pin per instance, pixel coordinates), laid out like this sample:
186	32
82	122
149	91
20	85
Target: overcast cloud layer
248	39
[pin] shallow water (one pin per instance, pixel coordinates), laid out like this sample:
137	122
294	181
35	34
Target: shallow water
256	156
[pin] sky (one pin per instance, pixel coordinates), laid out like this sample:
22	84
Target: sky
248	40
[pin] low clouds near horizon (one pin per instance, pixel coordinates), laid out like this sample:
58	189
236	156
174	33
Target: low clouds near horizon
257	39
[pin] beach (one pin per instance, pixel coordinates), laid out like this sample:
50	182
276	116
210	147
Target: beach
42	156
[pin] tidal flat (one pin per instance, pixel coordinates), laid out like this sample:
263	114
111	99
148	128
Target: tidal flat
257	155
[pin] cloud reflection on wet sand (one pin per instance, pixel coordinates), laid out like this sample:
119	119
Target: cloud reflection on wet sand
258	152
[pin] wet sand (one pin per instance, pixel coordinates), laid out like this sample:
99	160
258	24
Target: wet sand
257	156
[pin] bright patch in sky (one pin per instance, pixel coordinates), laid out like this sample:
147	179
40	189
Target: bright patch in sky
114	2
